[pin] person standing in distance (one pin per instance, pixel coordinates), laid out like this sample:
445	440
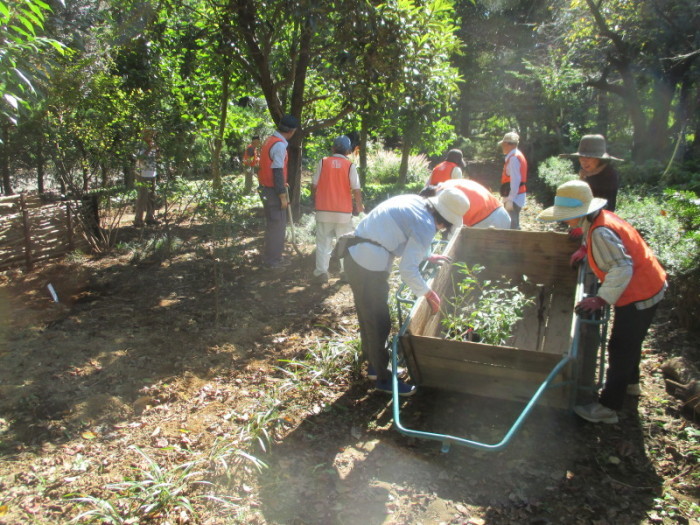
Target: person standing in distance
404	227
450	168
251	161
147	165
513	178
334	185
631	279
272	180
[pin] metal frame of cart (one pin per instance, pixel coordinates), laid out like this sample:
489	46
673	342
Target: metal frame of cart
547	376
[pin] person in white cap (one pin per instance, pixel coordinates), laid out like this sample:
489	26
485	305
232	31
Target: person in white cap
334	185
632	280
513	178
402	226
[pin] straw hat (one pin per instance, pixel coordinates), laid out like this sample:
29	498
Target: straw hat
452	204
592	146
511	138
574	199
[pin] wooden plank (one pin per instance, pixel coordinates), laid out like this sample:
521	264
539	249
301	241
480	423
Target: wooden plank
559	331
451	370
480	353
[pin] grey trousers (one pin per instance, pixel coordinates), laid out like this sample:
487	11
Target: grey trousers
371	293
515	217
275	227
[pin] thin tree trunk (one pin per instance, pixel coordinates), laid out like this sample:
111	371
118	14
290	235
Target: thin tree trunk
219	138
5	160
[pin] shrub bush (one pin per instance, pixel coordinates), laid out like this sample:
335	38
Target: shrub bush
554	172
383	167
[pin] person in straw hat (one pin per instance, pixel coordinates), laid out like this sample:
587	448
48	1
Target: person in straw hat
402	226
631	279
513	178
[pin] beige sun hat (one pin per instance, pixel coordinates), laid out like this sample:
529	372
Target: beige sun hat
511	138
574	199
592	146
452	204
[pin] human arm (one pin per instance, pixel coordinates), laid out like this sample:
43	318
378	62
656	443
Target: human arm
513	171
611	257
409	267
355	187
456	172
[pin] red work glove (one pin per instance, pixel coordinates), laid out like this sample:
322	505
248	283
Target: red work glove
590	305
578	256
439	259
433	300
575	234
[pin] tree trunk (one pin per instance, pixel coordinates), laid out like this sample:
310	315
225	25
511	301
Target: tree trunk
603	116
219	138
403	169
5	160
363	153
40	160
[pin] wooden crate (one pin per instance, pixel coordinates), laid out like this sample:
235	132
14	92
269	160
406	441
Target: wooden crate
539	341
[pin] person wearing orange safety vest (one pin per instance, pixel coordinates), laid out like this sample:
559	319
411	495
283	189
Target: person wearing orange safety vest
485	210
513	178
450	168
632	280
334	185
272	179
251	161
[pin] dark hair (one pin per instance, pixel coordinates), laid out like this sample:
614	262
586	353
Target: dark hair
437	216
429	191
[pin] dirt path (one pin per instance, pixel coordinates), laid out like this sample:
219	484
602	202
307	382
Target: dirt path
178	357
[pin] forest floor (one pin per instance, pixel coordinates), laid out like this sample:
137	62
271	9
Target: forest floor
141	367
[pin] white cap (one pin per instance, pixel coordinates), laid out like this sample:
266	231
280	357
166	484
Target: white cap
452	204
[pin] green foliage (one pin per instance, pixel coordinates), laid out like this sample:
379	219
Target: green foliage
635	174
488	308
383	167
556	171
373	194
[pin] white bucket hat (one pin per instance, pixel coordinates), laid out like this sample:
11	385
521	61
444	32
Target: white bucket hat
452	204
511	138
574	199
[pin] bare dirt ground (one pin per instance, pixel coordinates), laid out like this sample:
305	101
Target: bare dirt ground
174	357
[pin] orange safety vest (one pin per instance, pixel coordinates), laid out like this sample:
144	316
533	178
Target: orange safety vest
442	172
333	191
251	157
505	178
648	276
265	177
482	202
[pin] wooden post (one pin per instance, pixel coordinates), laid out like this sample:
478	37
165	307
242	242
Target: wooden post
27	236
69	225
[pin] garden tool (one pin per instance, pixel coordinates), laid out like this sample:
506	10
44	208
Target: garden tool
291	223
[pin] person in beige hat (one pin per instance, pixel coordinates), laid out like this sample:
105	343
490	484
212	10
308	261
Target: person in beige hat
404	227
597	169
631	279
513	178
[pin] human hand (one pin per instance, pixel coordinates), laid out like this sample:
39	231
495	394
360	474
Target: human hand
508	205
433	300
590	305
578	256
439	259
284	202
575	234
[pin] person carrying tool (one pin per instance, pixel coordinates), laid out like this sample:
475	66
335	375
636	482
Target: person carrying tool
334	186
632	280
513	178
402	226
450	168
485	210
272	179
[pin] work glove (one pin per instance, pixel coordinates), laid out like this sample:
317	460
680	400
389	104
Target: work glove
439	259
575	234
590	305
508	205
578	256
433	300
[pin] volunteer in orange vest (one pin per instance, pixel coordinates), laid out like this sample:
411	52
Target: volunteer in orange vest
334	186
631	279
450	168
251	161
513	178
485	210
272	177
